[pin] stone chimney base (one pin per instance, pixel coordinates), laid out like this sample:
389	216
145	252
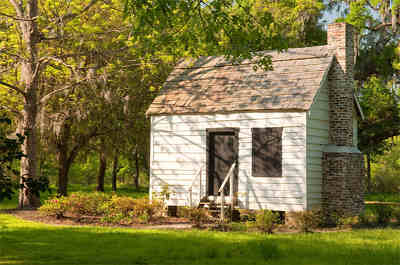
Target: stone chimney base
342	183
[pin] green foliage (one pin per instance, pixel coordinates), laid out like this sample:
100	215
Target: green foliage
307	220
386	170
382	117
367	217
9	153
111	209
396	214
383	197
297	20
193	28
348	222
384	214
266	220
81	203
56	207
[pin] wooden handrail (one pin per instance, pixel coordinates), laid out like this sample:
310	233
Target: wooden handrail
229	177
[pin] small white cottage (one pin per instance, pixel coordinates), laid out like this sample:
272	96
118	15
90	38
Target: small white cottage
292	131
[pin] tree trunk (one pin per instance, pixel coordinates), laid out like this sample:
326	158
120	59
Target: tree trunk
28	162
102	171
115	171
64	164
369	172
136	180
29	79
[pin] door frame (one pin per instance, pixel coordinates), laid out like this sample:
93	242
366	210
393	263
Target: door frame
235	131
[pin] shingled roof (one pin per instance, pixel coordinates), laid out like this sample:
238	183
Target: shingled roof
213	85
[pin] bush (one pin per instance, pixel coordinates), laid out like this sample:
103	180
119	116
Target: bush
383	214
266	220
115	209
198	216
56	207
81	203
367	217
347	222
145	209
307	220
396	214
386	170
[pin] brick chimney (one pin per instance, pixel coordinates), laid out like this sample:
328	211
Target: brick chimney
342	163
341	90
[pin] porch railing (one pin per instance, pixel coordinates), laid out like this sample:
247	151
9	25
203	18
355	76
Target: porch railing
196	176
229	177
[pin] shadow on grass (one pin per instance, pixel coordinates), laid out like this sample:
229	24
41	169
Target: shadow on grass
41	244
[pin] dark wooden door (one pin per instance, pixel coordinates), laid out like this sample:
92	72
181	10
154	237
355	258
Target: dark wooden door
223	152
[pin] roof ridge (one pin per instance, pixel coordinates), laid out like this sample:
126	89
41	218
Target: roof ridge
321	54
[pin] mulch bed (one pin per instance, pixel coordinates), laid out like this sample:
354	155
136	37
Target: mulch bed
162	223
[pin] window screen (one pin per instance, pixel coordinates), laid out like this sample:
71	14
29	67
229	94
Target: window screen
267	152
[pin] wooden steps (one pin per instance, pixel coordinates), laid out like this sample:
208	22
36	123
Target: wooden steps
215	209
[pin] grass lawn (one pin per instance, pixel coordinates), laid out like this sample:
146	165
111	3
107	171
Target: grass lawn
24	242
383	197
126	190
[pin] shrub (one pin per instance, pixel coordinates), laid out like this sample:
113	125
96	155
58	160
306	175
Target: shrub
145	209
266	220
396	213
198	216
347	222
383	214
81	203
117	210
54	207
386	170
307	220
367	217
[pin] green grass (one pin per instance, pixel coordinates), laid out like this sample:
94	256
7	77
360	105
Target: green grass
23	242
383	197
126	190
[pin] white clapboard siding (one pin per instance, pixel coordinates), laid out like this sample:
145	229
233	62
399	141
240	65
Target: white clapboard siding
179	149
317	138
275	206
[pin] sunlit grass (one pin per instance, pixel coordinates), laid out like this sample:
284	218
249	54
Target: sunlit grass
383	196
23	242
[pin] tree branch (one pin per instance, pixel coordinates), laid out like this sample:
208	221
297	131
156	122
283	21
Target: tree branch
70	16
17	18
20	91
49	95
18	8
16	112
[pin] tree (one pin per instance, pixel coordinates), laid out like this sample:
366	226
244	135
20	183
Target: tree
376	71
36	43
297	19
26	50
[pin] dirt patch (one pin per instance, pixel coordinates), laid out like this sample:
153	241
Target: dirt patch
162	223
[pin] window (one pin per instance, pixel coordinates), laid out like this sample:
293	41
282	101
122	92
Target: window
267	152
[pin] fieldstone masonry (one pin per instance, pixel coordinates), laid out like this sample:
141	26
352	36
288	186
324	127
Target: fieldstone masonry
342	176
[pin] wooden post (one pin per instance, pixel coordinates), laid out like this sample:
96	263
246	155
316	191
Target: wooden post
190	197
231	188
222	206
200	187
